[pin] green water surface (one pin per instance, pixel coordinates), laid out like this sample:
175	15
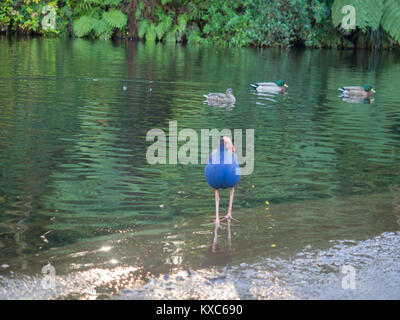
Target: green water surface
74	176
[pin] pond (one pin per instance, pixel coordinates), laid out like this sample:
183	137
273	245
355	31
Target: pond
78	194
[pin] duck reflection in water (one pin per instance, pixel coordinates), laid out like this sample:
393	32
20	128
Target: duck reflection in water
358	100
220	257
222	106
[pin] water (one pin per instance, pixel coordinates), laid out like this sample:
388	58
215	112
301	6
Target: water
77	192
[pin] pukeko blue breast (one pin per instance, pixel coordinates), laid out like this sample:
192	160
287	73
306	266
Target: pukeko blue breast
223	171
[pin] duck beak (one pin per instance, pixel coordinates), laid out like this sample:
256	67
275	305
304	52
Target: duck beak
286	86
372	90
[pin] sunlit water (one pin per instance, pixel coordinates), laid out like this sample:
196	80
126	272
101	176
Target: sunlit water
76	190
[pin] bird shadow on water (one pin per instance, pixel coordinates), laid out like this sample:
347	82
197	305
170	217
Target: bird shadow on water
217	257
220	256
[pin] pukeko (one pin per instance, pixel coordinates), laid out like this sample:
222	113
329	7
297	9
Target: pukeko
223	171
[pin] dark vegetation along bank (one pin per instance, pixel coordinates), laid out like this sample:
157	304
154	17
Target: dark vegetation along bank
310	23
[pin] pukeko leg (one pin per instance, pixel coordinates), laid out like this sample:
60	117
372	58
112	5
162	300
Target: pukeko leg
229	215
229	235
216	208
230	202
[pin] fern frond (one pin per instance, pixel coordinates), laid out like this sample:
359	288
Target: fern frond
391	19
115	18
87	4
142	28
368	12
151	34
163	26
111	3
102	29
182	21
99	26
83	26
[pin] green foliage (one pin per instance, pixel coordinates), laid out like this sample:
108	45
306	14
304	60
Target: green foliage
100	20
182	22
194	34
143	26
266	22
368	12
83	25
102	29
111	3
22	16
163	26
115	18
151	33
311	23
391	19
98	23
371	15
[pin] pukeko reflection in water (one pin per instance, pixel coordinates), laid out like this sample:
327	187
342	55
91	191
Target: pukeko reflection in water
223	171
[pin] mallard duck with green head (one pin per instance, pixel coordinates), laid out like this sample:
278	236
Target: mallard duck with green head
221	98
355	91
273	87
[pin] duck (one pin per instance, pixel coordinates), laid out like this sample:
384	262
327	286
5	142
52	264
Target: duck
279	86
355	91
221	98
221	172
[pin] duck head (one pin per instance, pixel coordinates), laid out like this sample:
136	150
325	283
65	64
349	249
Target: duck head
281	83
369	88
229	91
